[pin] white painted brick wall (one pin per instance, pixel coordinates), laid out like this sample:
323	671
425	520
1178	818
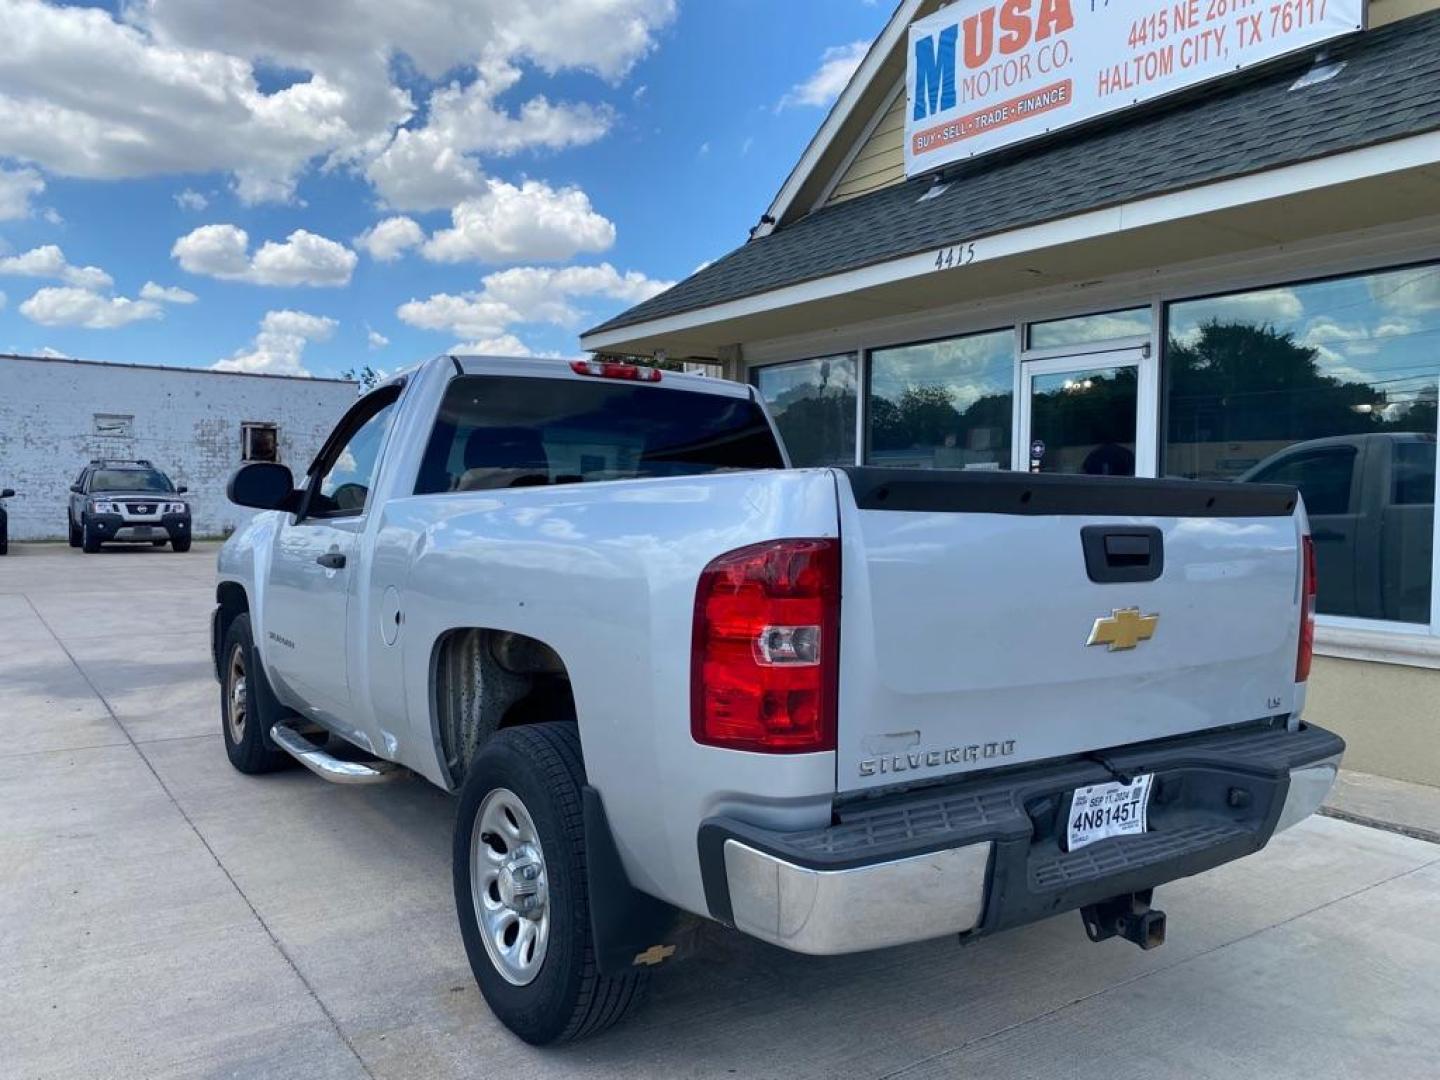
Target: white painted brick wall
187	422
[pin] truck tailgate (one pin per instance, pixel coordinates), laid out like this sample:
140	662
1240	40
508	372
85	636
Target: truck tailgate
969	607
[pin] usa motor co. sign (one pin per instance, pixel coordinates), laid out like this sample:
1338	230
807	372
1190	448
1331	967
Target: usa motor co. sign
984	74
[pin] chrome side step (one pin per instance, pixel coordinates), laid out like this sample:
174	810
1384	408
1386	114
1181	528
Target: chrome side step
329	767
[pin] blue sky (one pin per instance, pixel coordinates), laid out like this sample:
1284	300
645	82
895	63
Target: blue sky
538	167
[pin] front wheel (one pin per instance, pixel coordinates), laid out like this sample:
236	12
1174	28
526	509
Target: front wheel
90	539
243	718
180	544
521	891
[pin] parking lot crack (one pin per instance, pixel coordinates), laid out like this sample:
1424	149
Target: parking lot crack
259	919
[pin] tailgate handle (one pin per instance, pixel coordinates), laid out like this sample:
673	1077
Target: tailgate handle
1123	553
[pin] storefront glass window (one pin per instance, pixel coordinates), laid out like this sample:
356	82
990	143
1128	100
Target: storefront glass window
813	403
1088	329
944	404
1330	386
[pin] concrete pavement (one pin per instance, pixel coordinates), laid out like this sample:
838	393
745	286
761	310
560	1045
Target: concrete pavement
163	916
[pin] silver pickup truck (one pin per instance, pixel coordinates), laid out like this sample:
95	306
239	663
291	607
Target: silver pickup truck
837	709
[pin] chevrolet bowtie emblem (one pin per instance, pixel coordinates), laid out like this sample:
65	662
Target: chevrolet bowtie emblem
1124	628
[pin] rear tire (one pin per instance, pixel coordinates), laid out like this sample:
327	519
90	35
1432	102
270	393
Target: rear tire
74	532
90	539
244	720
4	538
531	777
180	544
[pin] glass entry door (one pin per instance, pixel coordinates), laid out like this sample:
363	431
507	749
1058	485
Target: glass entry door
1081	414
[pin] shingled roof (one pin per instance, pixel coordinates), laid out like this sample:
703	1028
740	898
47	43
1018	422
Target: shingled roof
1389	88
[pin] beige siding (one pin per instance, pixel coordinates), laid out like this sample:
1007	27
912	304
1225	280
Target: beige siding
1385	712
1388	11
881	160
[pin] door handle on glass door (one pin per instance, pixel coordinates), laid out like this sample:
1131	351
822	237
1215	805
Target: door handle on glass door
331	560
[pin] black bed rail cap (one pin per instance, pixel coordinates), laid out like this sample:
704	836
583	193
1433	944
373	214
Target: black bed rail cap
994	492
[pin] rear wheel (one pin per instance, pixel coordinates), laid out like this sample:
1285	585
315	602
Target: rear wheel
243	717
4	537
521	889
89	539
74	531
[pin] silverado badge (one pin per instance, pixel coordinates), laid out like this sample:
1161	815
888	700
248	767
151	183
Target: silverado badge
1124	628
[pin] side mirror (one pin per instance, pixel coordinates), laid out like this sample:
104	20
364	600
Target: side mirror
7	493
75	488
263	485
181	490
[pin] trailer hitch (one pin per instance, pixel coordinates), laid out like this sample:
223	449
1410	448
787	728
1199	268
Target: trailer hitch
1128	916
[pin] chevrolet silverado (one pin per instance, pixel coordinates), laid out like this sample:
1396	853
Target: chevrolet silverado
669	676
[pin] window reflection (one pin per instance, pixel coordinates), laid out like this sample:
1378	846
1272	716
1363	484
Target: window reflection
1332	387
1087	329
943	404
813	403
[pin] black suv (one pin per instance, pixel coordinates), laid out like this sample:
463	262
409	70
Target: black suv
127	501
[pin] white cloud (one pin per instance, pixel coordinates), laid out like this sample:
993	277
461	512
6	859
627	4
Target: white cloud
526	294
389	239
375	339
48	261
431	167
824	86
532	221
280	345
53	353
166	294
1414	291
504	345
17	188
3	301
222	251
170	86
70	306
191	200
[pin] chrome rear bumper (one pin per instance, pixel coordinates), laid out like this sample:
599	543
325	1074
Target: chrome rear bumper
985	854
868	907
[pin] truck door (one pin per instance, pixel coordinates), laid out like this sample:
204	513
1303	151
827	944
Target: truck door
313	565
1331	485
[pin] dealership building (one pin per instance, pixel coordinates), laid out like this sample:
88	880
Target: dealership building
1193	238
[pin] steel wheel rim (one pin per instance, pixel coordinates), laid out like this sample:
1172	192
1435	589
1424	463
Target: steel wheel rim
236	695
510	887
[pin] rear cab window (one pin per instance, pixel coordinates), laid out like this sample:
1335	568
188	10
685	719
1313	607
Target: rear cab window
498	431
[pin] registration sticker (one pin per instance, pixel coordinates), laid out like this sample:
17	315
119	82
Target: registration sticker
1104	810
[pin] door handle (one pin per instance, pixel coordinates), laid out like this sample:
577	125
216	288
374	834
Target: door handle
331	560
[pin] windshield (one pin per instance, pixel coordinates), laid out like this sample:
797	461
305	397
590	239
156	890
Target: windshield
129	480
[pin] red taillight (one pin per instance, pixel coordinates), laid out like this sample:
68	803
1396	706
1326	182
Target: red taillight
765	652
1307	612
604	369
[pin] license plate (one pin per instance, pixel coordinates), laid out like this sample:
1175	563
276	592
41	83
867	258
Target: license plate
141	532
1103	810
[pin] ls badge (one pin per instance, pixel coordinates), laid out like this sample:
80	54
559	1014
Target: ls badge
1124	628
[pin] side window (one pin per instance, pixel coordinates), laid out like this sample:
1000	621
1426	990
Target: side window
1413	474
1323	477
348	469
